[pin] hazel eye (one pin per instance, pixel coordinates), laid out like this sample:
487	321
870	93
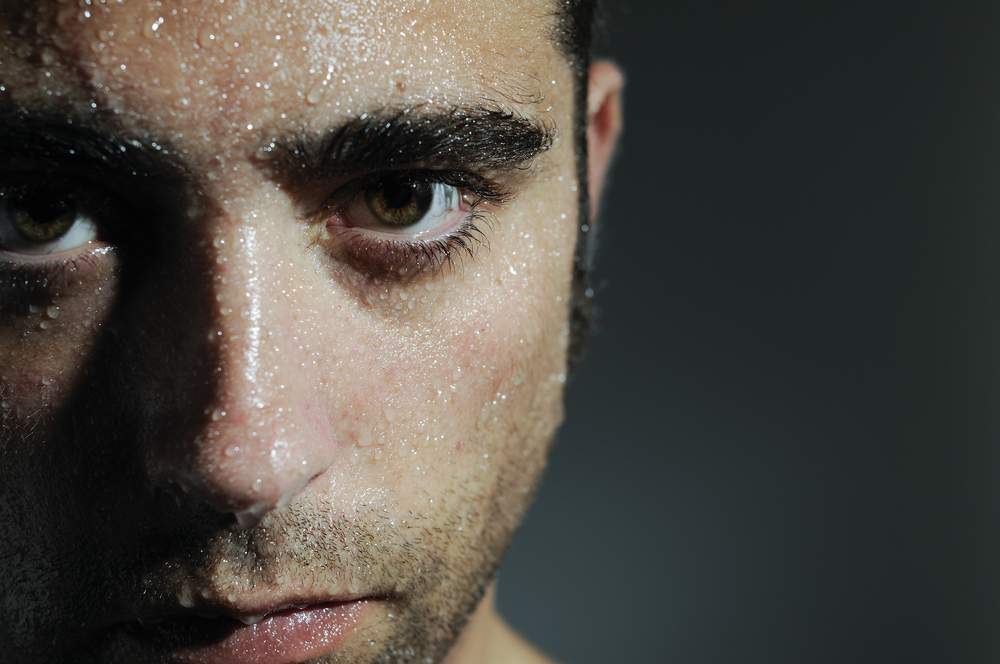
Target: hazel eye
405	205
401	224
400	202
44	220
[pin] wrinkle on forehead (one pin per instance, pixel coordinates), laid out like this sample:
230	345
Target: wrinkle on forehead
211	72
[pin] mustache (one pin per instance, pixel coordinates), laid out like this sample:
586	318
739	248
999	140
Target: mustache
145	549
300	557
366	552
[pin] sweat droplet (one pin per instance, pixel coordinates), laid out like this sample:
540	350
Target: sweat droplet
266	151
150	30
186	597
232	450
315	94
206	37
218	414
52	311
48	56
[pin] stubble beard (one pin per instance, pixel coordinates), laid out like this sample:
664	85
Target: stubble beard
431	568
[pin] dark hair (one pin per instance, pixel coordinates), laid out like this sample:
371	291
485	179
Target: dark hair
575	21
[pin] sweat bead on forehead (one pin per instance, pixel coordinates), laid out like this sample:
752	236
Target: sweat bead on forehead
284	302
205	72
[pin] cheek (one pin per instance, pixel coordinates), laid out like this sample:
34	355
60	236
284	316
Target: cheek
478	383
48	324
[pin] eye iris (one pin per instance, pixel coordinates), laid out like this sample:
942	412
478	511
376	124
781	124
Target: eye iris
400	201
42	218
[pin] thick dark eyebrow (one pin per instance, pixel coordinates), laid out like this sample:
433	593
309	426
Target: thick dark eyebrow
479	138
471	138
90	145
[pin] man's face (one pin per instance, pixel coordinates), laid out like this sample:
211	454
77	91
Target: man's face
283	317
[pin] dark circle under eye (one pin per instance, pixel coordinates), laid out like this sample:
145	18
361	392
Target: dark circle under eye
400	201
42	216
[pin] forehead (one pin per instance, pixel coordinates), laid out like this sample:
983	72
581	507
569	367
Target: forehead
218	69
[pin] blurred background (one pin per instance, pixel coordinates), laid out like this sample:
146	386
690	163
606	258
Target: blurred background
781	445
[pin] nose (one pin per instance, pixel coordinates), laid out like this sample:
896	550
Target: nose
258	433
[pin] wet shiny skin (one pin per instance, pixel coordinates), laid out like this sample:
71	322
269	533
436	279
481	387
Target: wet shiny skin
235	413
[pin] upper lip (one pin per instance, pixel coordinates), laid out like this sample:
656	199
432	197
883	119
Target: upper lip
162	608
248	616
248	609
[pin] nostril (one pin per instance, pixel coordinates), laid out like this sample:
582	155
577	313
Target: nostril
236	481
251	515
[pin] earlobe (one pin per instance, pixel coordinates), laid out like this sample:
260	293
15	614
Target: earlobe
604	124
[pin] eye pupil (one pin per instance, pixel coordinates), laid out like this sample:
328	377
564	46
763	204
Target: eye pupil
400	201
43	216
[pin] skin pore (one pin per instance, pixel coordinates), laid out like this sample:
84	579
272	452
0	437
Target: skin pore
231	388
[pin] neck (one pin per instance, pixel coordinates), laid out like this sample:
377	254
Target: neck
486	639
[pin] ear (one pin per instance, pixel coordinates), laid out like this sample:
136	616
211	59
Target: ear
604	124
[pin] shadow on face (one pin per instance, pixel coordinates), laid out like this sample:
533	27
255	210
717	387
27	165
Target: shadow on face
283	318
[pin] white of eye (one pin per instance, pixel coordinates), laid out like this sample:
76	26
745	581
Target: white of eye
82	231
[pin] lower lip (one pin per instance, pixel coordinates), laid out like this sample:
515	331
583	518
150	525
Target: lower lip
285	637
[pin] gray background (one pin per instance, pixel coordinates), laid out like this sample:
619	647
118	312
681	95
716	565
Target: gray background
780	447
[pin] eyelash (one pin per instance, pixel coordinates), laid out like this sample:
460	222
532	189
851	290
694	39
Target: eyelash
403	259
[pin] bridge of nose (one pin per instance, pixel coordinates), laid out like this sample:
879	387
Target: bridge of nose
261	431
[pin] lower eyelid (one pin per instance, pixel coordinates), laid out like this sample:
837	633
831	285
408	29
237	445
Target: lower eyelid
399	259
54	273
343	222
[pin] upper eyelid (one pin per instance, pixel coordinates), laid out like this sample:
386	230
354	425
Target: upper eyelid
116	196
485	190
477	138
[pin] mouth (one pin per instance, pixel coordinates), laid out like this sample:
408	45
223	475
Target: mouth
281	634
